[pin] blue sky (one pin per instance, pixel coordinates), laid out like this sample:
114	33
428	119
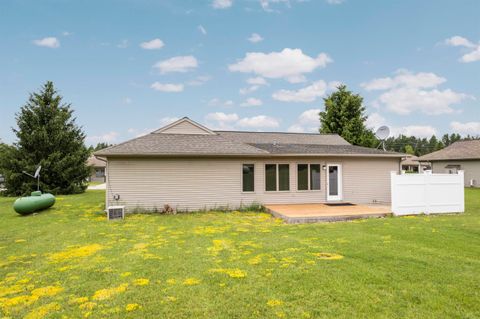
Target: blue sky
129	67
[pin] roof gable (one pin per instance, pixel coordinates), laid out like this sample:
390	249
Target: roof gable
184	126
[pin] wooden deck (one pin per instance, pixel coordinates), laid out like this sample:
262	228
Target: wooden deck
311	213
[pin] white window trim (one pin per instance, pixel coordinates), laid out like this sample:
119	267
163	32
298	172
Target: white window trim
277	185
241	171
310	190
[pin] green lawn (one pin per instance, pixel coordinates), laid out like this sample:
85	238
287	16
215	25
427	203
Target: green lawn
69	262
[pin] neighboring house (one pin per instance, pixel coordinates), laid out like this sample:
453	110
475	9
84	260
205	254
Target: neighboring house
98	169
191	167
462	155
412	164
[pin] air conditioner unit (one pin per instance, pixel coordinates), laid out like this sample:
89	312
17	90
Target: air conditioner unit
115	212
473	183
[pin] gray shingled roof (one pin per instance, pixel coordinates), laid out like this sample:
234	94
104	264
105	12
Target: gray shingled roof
180	144
457	151
311	149
239	144
283	138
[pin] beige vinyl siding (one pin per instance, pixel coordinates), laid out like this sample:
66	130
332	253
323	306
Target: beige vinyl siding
470	167
192	184
184	128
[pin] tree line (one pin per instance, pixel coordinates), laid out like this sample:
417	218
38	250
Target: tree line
345	115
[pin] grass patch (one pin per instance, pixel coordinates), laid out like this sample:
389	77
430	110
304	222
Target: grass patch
69	261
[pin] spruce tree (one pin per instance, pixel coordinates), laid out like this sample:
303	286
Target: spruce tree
345	115
47	135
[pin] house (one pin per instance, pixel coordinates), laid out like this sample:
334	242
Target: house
190	167
461	155
97	169
412	164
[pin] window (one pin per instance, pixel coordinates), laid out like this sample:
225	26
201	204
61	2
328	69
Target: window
277	177
248	179
271	177
308	177
100	172
302	177
283	177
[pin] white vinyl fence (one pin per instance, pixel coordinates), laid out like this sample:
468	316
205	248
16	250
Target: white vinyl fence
427	193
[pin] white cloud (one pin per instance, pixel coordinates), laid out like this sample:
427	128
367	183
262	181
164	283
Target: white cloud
468	128
49	42
308	121
404	78
472	56
267	4
123	44
223	121
375	120
289	64
127	100
414	130
222	4
167	87
258	122
154	44
219	102
252	102
202	29
177	64
137	133
335	1
249	89
257	81
458	41
408	92
404	101
66	33
255	38
304	95
109	137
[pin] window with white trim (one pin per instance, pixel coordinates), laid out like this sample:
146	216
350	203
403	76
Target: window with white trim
277	177
308	177
248	177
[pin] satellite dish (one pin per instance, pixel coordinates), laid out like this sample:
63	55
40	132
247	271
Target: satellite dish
37	172
382	132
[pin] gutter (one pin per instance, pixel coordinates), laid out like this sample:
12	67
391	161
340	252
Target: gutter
253	155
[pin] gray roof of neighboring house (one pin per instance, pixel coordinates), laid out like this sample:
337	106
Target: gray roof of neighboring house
95	162
240	143
456	151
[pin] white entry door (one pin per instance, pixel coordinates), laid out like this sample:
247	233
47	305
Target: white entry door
334	182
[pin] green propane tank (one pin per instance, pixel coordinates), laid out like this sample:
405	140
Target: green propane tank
37	201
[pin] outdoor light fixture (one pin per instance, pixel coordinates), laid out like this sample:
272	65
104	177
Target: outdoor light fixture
324	167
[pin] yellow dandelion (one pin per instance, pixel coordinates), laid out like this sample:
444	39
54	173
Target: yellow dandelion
191	282
76	252
274	303
42	311
126	274
171	281
141	282
107	293
132	307
328	256
171	298
87	305
46	291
